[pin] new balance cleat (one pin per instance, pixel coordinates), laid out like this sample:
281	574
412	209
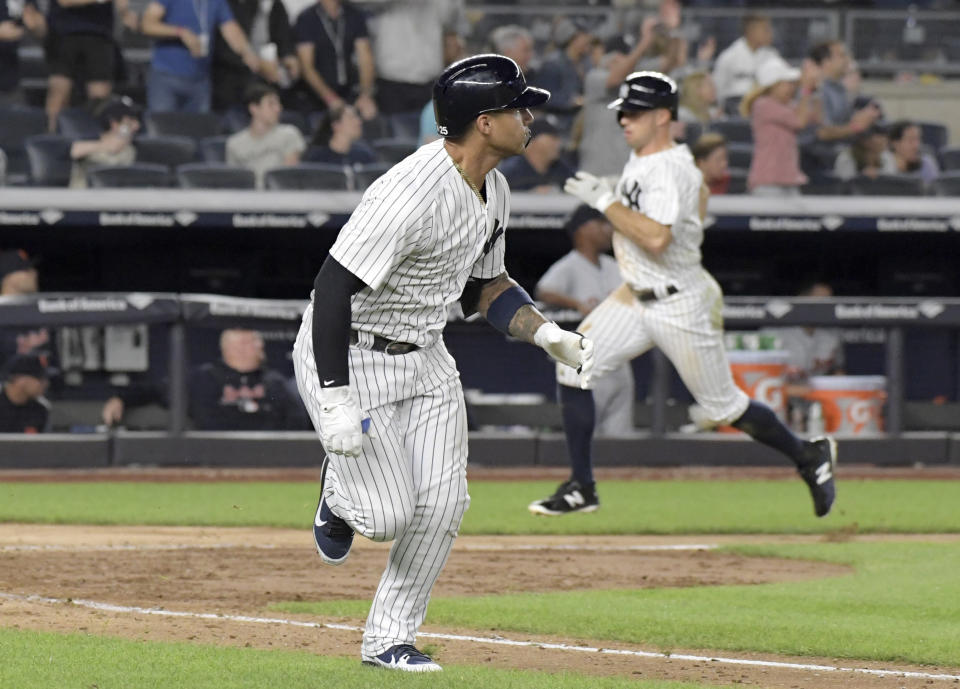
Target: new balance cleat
404	657
332	534
818	472
571	496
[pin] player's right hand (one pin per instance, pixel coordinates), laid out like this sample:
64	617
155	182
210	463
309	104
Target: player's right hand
592	190
340	426
567	347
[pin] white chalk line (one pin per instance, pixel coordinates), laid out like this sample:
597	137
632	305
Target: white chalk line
265	546
495	640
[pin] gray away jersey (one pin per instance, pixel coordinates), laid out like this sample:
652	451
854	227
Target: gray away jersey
665	187
418	233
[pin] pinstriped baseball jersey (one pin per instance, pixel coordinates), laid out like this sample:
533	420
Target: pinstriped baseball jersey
665	187
686	326
418	233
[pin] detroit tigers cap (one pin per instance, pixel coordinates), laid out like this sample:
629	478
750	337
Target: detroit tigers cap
646	91
14	260
34	365
581	215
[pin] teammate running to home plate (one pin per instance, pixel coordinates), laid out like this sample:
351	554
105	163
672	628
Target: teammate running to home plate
382	390
668	300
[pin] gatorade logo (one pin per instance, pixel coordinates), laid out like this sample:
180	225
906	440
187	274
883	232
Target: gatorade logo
863	414
770	392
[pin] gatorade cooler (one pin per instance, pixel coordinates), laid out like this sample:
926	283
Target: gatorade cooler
852	405
761	374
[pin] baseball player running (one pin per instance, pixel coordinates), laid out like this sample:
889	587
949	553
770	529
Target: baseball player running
381	389
668	300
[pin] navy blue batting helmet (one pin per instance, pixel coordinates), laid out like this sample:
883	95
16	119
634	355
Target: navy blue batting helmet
479	84
646	91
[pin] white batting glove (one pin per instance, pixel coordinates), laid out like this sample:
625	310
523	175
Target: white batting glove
592	190
340	429
567	347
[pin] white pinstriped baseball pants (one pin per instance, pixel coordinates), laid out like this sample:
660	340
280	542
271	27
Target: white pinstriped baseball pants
687	327
409	484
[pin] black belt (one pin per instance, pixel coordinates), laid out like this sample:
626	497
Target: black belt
651	295
382	344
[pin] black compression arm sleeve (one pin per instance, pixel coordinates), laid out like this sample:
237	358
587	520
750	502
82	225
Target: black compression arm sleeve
332	289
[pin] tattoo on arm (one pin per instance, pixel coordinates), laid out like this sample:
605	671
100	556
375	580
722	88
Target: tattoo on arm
525	323
527	318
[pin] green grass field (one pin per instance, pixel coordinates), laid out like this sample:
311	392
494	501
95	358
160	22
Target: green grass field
629	507
900	604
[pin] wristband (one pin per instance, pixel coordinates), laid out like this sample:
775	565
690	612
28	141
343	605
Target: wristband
505	306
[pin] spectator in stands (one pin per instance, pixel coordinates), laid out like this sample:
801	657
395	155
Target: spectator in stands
23	407
540	168
236	393
265	143
909	159
581	280
735	71
413	41
339	139
79	45
868	156
600	145
563	72
710	154
839	119
267	28
698	99
120	120
18	277
179	79
333	45
516	43
775	120
16	18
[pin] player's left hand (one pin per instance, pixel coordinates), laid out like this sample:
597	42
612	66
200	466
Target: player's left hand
340	424
567	347
592	190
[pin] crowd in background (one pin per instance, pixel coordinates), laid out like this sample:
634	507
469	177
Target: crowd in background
355	75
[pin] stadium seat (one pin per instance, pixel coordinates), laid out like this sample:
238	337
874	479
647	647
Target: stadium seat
738	182
826	185
78	123
196	125
947	184
739	155
213	149
934	135
734	130
312	176
950	159
49	160
888	185
394	150
731	106
138	175
16	124
165	150
365	175
213	176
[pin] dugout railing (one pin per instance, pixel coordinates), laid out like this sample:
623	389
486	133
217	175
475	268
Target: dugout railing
177	445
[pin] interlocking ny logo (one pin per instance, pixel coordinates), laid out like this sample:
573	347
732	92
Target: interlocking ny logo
631	193
497	231
574	498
